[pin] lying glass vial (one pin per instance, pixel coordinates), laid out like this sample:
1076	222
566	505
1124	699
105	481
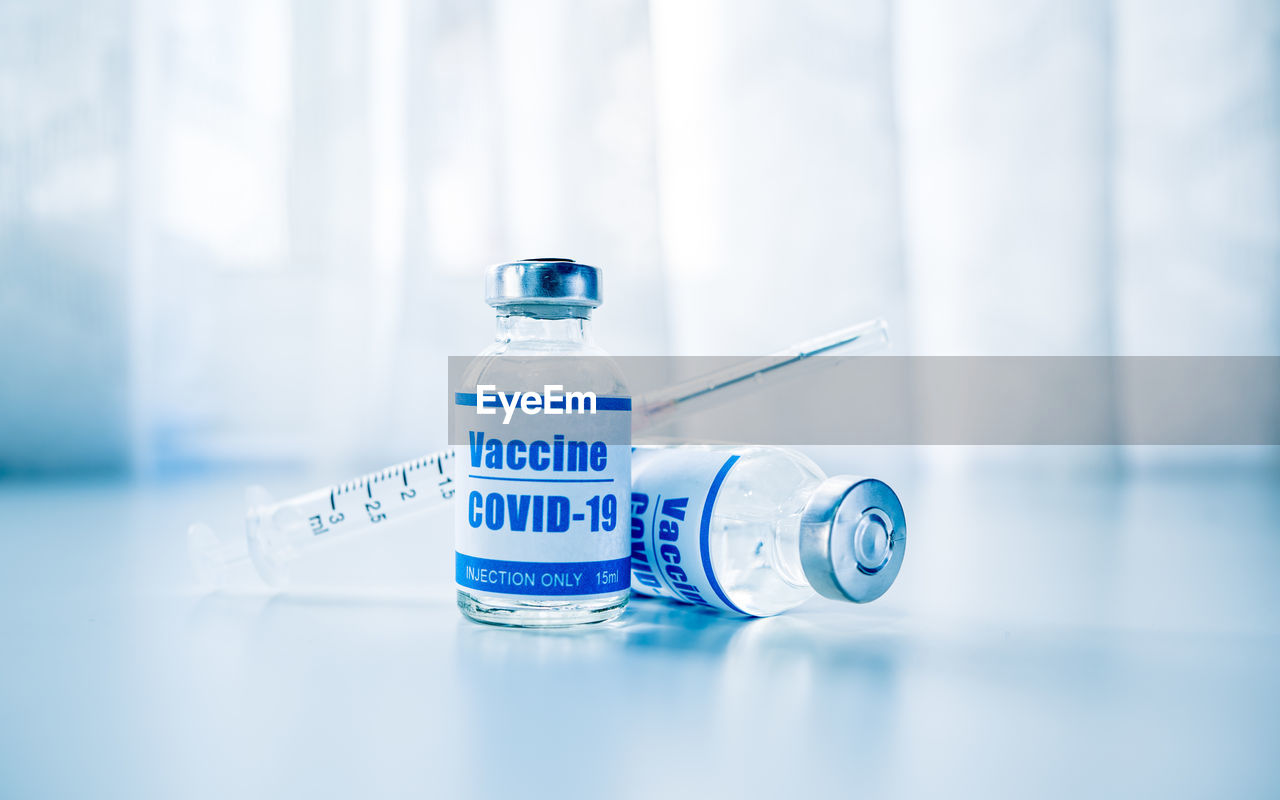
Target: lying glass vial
758	530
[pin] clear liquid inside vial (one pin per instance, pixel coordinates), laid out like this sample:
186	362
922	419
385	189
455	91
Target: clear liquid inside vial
754	535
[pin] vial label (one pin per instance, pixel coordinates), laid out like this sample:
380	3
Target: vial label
673	495
541	501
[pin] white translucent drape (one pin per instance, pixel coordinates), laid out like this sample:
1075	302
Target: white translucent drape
248	231
64	232
779	168
1197	102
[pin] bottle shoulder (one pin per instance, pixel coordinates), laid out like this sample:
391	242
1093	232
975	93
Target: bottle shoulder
763	482
755	525
542	347
525	365
769	481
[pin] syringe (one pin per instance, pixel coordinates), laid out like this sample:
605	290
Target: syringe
279	533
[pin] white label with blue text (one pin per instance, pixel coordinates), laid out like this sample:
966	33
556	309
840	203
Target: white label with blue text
673	494
541	501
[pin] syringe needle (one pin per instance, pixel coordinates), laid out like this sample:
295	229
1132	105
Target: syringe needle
723	385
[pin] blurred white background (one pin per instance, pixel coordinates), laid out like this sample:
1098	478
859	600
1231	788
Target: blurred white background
251	232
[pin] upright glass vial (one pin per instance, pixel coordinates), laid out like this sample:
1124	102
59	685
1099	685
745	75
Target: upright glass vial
758	530
542	434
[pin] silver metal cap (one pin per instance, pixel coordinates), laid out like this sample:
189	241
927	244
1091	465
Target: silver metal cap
853	537
543	281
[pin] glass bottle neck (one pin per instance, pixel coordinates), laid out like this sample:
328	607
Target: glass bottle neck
524	327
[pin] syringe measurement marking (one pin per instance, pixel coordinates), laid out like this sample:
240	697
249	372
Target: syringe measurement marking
374	507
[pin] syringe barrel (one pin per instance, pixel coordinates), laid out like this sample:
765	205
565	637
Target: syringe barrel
281	532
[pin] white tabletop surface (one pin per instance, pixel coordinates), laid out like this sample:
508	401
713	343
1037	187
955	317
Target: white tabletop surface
1053	633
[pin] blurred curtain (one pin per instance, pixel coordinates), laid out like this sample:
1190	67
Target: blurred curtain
248	231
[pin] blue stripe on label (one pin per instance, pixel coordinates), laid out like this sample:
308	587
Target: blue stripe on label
705	534
541	480
653	550
602	403
542	578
